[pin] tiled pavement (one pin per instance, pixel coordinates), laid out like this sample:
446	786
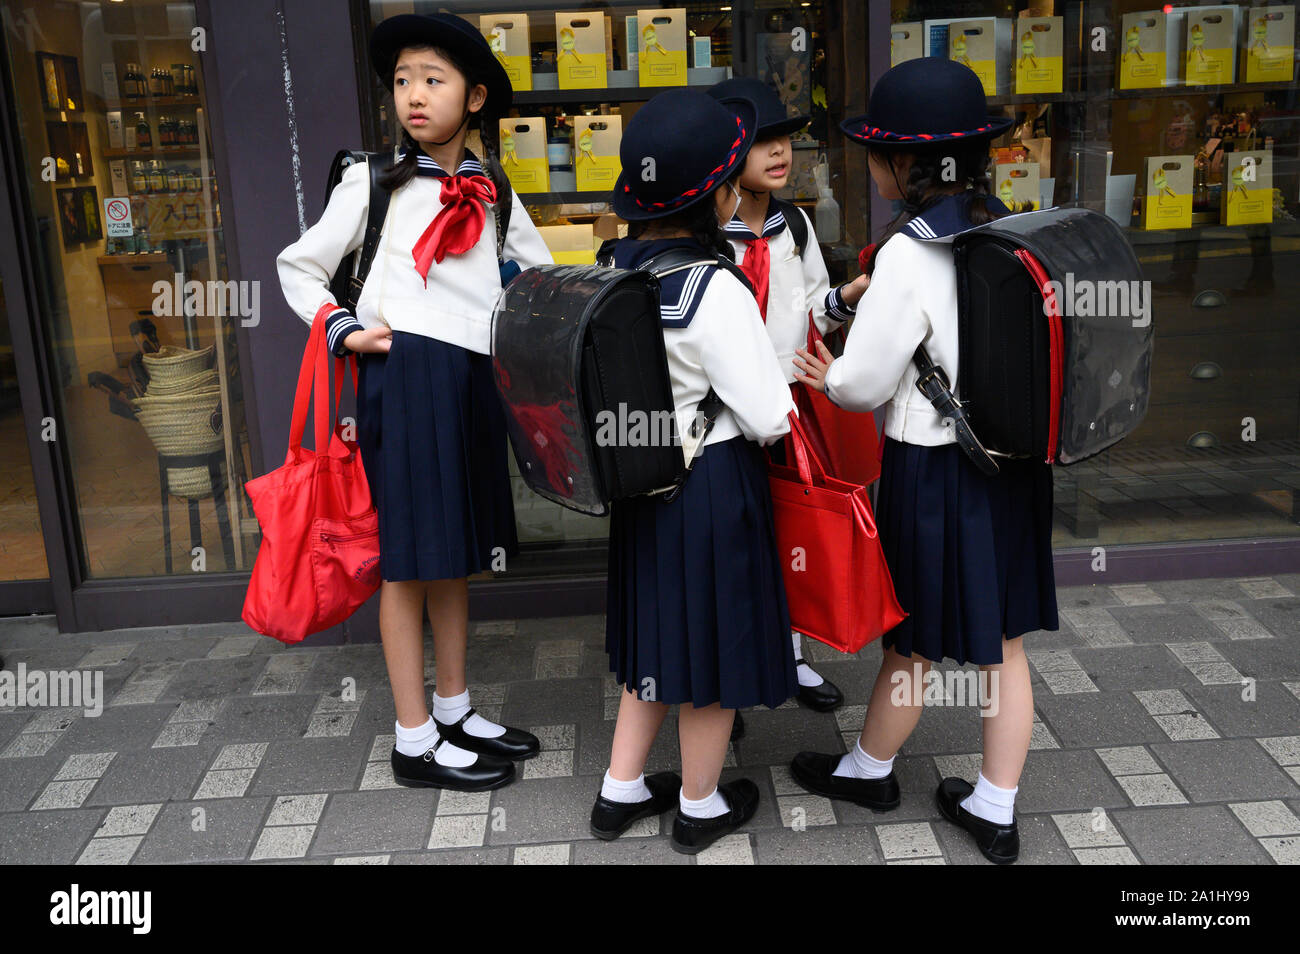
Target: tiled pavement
1168	731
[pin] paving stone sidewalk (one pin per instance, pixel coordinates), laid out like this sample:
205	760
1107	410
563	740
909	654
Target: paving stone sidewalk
1167	731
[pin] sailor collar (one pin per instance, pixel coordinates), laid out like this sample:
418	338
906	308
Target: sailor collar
947	217
679	293
737	229
469	166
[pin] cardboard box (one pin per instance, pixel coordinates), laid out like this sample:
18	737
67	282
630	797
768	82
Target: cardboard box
1040	64
983	44
661	51
608	226
507	34
596	163
1168	200
580	53
570	244
117	175
116	134
1247	195
1148	50
906	42
1270	45
1017	186
523	153
1211	58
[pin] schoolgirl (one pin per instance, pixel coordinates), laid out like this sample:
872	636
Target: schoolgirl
429	423
696	609
790	282
970	555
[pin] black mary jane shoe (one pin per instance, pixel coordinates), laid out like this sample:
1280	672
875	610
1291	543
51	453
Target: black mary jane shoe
611	819
824	698
814	772
738	727
514	744
1000	844
422	771
693	835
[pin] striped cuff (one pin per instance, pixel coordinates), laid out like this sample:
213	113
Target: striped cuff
338	326
836	308
826	386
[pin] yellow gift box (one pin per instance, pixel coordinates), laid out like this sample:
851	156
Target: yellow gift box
1247	196
523	153
595	152
1270	45
1144	42
661	53
1168	202
570	244
1040	66
1211	56
507	34
580	54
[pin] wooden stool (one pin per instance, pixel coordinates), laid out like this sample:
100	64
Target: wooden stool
213	462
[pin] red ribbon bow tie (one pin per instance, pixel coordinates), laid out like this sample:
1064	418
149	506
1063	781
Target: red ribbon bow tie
459	223
756	265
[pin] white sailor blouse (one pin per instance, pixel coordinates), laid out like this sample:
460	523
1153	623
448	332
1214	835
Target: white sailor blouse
796	284
456	301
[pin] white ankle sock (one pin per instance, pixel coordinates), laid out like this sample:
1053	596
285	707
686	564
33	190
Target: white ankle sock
803	671
858	764
710	806
617	790
991	803
450	711
422	738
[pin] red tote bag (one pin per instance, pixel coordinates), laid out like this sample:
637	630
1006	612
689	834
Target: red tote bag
845	441
319	558
837	584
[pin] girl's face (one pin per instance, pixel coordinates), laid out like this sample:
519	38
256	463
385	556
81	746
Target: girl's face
883	176
767	167
431	96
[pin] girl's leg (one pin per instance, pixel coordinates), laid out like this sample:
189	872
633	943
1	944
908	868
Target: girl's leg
889	720
634	732
1007	733
704	735
449	616
401	628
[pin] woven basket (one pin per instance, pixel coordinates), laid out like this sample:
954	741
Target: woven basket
169	363
183	424
182	385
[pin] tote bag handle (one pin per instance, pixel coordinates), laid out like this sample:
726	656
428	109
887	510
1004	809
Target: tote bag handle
313	383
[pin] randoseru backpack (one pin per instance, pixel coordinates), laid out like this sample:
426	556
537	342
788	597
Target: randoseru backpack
1054	357
578	350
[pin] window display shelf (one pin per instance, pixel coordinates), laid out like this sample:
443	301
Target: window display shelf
169	101
624	87
154	152
1183	89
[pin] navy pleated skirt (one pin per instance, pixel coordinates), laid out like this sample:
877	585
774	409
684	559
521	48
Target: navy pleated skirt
696	601
432	436
971	556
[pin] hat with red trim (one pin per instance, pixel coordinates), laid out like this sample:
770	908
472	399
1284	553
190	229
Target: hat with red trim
677	149
449	32
926	102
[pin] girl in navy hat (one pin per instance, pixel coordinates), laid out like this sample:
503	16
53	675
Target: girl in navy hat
696	611
429	423
970	555
789	277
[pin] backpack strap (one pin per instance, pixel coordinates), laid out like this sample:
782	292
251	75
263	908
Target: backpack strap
933	383
377	213
794	221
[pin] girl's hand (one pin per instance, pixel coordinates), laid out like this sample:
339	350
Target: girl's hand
370	340
814	368
852	292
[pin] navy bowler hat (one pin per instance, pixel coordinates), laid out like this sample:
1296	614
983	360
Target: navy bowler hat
773	120
695	143
459	37
927	102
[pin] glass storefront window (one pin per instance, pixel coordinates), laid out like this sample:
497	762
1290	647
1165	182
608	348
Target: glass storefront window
110	107
22	548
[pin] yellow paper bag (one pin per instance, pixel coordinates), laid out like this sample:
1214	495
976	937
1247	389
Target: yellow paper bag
1211	56
1168	202
1247	195
570	244
507	34
905	42
1270	45
1017	185
1040	67
580	51
1142	52
523	153
661	56
983	44
595	152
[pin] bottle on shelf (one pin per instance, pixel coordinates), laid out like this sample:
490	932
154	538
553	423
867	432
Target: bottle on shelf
826	214
143	138
81	168
139	178
133	82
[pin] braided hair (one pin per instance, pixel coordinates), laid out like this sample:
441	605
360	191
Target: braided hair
486	121
926	184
